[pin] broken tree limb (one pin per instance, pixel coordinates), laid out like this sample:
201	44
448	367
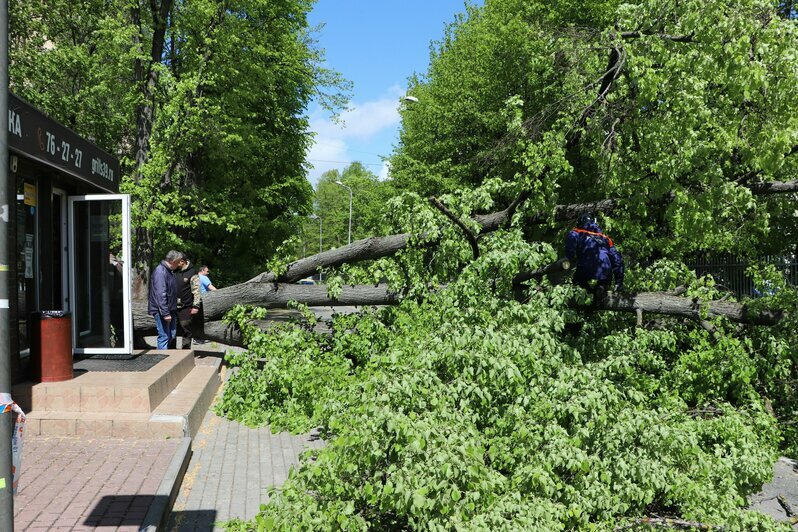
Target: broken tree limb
271	295
665	303
208	325
370	248
774	187
561	265
669	522
555	271
276	295
470	236
376	247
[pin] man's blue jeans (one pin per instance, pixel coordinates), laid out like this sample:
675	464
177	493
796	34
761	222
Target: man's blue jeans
167	330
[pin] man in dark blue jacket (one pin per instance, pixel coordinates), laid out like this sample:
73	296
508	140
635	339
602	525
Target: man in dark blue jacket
595	255
162	303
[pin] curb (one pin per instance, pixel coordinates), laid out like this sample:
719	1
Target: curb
167	491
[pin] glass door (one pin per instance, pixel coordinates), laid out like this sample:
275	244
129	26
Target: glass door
99	271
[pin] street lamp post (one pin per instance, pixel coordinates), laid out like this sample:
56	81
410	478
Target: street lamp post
350	210
7	228
314	217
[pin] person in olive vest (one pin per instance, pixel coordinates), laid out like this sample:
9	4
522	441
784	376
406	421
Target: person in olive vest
188	299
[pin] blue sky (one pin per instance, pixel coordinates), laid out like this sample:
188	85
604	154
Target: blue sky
376	45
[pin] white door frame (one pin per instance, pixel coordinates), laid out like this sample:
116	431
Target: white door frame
64	247
127	314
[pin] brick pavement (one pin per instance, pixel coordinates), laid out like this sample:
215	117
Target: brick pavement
70	483
230	472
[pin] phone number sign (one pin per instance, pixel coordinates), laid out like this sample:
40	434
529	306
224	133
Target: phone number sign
33	134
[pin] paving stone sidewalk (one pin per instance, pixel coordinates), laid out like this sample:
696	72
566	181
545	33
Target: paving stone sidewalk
231	471
69	483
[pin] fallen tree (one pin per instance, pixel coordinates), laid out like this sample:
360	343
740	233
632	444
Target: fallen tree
273	290
376	247
278	295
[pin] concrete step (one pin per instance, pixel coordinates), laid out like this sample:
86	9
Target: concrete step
188	403
179	415
100	425
134	392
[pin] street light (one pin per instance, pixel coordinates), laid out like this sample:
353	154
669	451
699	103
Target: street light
350	210
314	217
412	99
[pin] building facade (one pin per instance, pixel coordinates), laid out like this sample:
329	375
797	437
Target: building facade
70	232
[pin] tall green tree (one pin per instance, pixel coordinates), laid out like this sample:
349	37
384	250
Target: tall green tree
204	101
673	109
369	196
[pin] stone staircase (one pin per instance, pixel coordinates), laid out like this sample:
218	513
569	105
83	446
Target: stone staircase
169	400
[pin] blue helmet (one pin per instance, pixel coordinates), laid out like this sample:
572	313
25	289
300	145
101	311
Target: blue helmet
585	220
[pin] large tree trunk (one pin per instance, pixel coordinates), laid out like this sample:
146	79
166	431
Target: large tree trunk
267	295
146	74
274	295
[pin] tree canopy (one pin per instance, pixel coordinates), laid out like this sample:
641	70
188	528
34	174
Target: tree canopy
204	102
672	109
369	195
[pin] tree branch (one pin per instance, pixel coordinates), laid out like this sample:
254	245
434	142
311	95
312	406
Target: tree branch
629	35
668	522
472	238
773	187
611	73
561	265
694	308
376	247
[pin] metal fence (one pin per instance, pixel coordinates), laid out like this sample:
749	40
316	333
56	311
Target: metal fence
729	271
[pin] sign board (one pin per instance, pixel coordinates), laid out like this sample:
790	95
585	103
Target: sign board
33	134
30	194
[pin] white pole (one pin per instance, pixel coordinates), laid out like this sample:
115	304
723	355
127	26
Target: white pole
350	216
350	210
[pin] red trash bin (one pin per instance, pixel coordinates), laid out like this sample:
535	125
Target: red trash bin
51	346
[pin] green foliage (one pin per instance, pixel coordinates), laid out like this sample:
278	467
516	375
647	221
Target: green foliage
777	353
460	409
331	204
282	378
511	93
463	409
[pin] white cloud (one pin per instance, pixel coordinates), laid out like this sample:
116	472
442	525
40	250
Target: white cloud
361	123
325	154
385	171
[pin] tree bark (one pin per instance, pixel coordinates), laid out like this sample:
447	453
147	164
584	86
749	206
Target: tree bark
209	326
375	247
774	187
694	308
147	78
371	248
